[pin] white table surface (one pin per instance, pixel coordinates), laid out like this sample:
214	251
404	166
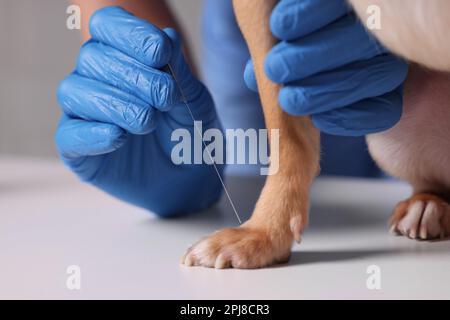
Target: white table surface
49	221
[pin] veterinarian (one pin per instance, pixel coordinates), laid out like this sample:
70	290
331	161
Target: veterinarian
331	69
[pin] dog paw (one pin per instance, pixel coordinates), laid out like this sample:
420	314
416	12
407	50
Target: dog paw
243	248
423	216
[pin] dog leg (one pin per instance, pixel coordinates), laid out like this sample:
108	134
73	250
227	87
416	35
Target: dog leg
417	150
281	212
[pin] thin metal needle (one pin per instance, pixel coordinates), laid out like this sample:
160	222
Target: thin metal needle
184	100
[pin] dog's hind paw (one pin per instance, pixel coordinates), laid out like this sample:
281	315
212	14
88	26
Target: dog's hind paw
423	216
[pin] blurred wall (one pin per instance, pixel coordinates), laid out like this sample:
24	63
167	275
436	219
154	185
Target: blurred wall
36	52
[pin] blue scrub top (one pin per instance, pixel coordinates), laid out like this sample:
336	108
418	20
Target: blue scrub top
224	55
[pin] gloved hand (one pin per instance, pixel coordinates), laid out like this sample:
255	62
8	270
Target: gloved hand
120	110
332	69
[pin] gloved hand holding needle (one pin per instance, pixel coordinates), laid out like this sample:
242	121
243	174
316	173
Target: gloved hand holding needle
120	110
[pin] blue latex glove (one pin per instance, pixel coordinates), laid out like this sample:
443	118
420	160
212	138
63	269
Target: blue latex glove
332	69
120	111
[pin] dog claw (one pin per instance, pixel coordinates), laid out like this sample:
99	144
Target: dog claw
189	261
221	262
393	229
296	226
423	233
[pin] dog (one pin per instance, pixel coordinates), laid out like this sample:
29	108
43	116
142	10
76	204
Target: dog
416	150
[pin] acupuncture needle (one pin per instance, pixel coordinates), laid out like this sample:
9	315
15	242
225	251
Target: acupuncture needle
185	102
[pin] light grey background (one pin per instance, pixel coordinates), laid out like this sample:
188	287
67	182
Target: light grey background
36	52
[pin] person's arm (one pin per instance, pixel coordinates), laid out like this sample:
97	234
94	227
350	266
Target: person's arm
156	12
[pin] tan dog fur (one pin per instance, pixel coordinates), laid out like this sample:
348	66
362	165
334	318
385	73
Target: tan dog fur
281	212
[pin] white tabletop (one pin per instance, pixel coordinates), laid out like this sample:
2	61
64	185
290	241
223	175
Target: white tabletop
49	221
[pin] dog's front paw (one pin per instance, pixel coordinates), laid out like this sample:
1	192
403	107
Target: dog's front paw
424	216
243	247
